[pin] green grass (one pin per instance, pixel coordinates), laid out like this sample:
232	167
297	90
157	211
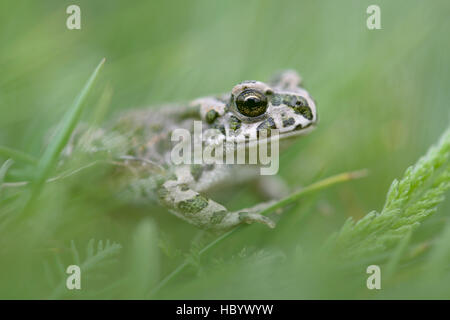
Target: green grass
59	139
382	98
17	155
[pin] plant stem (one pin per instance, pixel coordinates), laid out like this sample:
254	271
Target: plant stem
346	176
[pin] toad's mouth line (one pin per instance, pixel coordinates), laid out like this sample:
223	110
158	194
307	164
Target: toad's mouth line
279	137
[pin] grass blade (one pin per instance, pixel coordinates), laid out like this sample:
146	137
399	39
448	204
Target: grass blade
144	266
17	155
66	127
3	169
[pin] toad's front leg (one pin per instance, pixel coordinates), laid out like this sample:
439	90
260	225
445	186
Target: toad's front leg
203	212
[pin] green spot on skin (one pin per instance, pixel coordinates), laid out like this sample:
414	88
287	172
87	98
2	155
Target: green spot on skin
162	193
211	115
196	171
235	123
218	216
193	205
304	111
243	216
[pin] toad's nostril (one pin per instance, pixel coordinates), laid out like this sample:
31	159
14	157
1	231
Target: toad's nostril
276	100
300	101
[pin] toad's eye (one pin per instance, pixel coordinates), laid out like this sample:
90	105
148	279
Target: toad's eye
251	103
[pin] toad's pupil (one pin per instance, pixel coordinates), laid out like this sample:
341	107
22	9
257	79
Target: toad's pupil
252	102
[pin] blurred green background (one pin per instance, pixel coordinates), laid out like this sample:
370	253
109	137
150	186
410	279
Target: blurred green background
382	97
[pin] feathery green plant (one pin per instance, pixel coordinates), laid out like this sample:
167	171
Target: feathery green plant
96	256
409	201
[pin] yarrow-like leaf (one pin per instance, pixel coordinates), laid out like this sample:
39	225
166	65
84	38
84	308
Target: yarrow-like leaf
409	201
94	258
